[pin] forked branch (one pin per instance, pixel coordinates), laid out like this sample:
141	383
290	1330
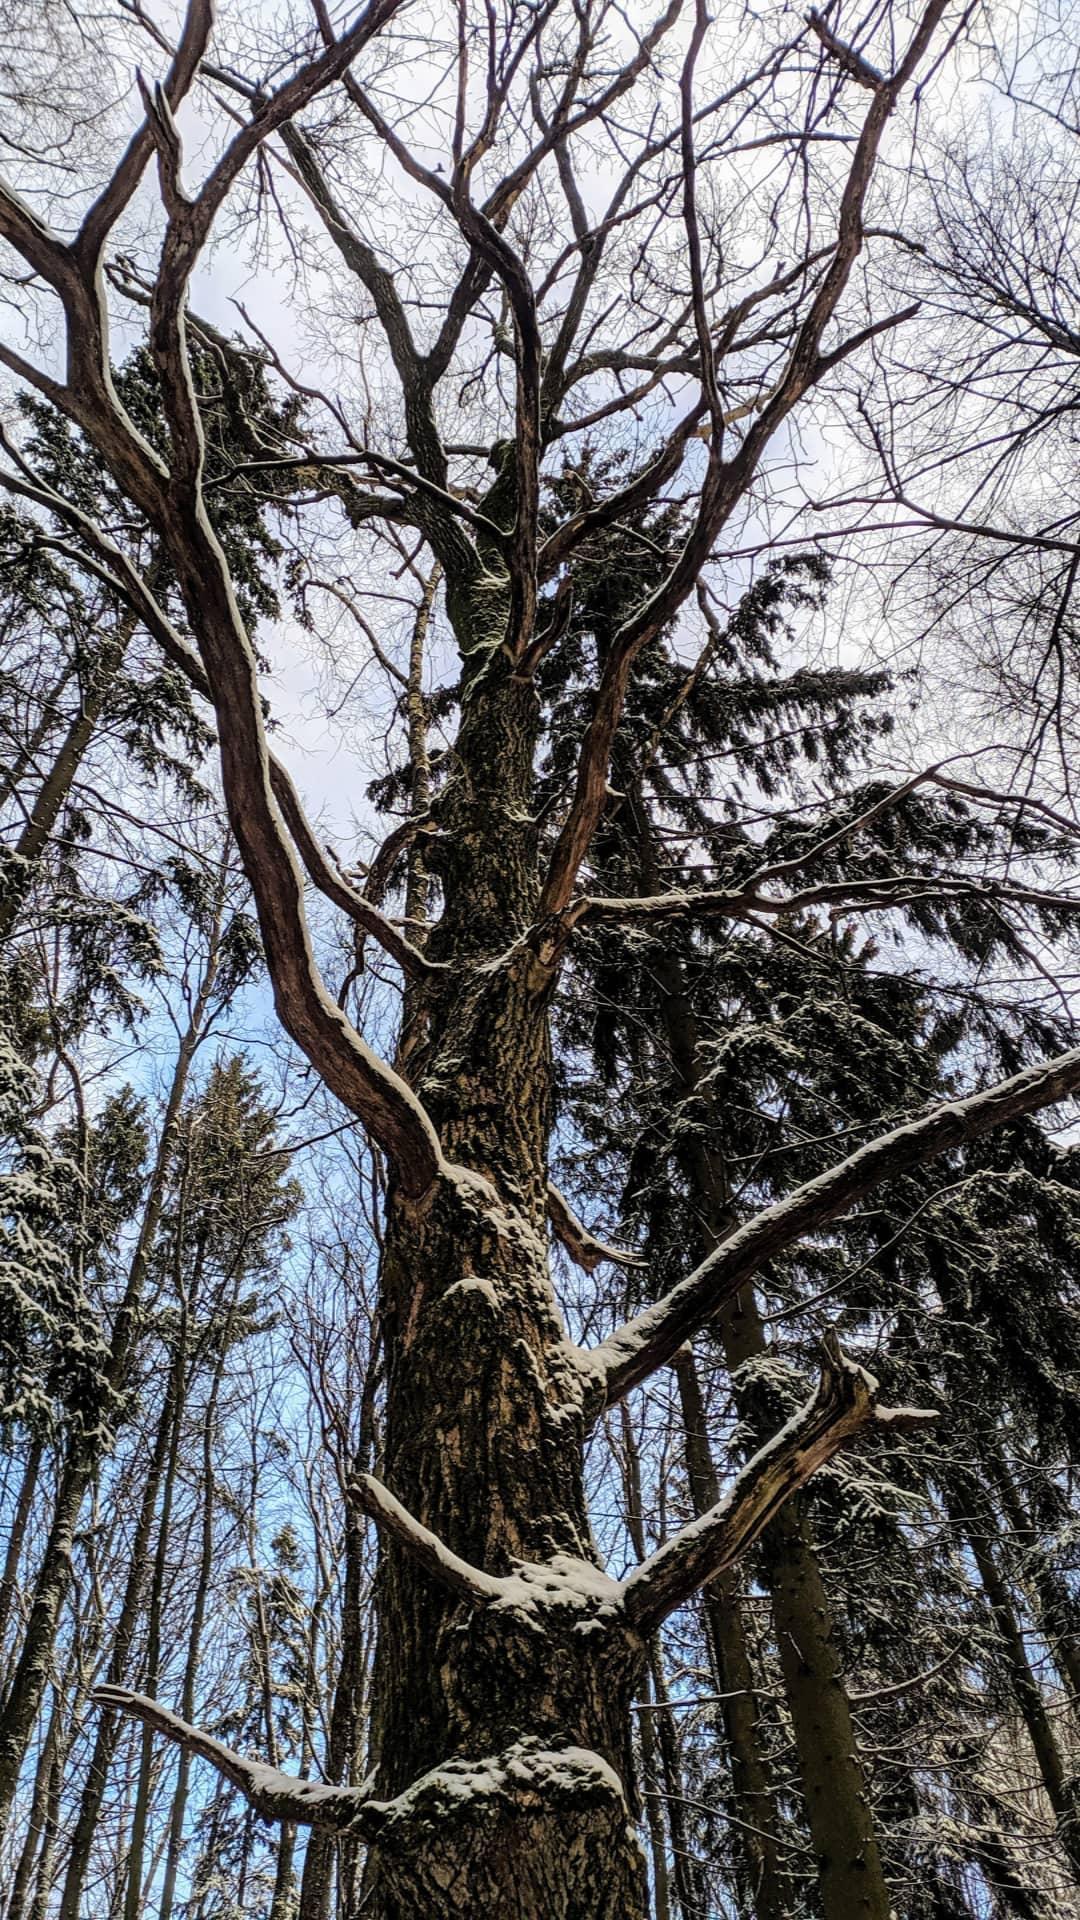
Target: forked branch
725	485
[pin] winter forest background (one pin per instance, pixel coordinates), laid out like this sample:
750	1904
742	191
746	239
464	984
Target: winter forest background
537	309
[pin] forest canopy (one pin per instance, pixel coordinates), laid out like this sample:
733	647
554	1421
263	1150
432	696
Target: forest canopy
539	1168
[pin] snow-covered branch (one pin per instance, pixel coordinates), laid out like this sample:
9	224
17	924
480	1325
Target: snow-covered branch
583	1247
440	1561
845	1403
275	1795
648	1341
690	905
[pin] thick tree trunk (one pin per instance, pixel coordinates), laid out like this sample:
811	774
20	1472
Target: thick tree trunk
506	1731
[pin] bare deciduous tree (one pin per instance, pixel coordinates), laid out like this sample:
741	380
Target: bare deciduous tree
627	226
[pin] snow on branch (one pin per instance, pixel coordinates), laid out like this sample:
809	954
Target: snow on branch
649	1340
439	1560
844	1405
691	905
275	1795
583	1247
846	56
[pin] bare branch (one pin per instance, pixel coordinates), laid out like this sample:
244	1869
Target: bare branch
855	896
725	485
116	195
445	1566
583	1247
275	1795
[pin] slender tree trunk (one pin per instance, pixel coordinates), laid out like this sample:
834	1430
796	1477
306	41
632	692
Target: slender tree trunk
417	876
173	1419
1058	1778
1057	1609
27	756
50	1831
684	1873
850	1876
484	1427
109	1724
60	778
36	1821
194	1646
78	1462
345	1722
753	1802
9	1579
654	1812
686	1869
245	1859
993	1853
851	1881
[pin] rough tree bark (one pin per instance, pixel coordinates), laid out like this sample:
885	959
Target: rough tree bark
474	1354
